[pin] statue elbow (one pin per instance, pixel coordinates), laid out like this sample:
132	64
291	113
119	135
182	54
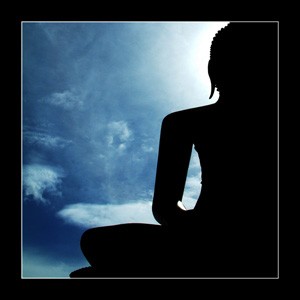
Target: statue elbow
157	214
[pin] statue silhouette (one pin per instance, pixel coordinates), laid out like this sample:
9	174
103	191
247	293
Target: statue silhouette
232	231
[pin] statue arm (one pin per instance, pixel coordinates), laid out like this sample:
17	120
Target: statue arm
173	161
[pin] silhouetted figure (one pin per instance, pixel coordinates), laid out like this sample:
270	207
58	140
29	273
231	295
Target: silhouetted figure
232	230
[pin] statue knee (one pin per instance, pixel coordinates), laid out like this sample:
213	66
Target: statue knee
85	240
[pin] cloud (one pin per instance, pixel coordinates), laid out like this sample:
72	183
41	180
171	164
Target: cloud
193	182
194	163
191	192
68	100
71	37
93	215
118	135
37	265
131	74
147	148
38	179
47	140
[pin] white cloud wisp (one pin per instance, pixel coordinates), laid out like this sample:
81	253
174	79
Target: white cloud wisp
93	215
38	179
43	139
118	135
68	100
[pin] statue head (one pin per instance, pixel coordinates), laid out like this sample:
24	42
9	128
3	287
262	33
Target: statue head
240	56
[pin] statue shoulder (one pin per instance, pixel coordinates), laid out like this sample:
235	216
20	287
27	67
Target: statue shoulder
188	116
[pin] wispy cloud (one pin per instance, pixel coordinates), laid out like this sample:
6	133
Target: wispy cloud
118	135
69	36
44	139
93	215
38	179
192	191
193	182
106	88
147	147
67	100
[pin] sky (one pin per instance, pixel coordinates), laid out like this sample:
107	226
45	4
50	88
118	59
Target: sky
93	98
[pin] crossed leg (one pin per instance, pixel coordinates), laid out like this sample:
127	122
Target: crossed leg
131	249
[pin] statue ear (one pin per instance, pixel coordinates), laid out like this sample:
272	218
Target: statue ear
213	86
211	73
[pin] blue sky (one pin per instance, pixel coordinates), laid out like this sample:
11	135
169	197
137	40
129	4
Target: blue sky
93	98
